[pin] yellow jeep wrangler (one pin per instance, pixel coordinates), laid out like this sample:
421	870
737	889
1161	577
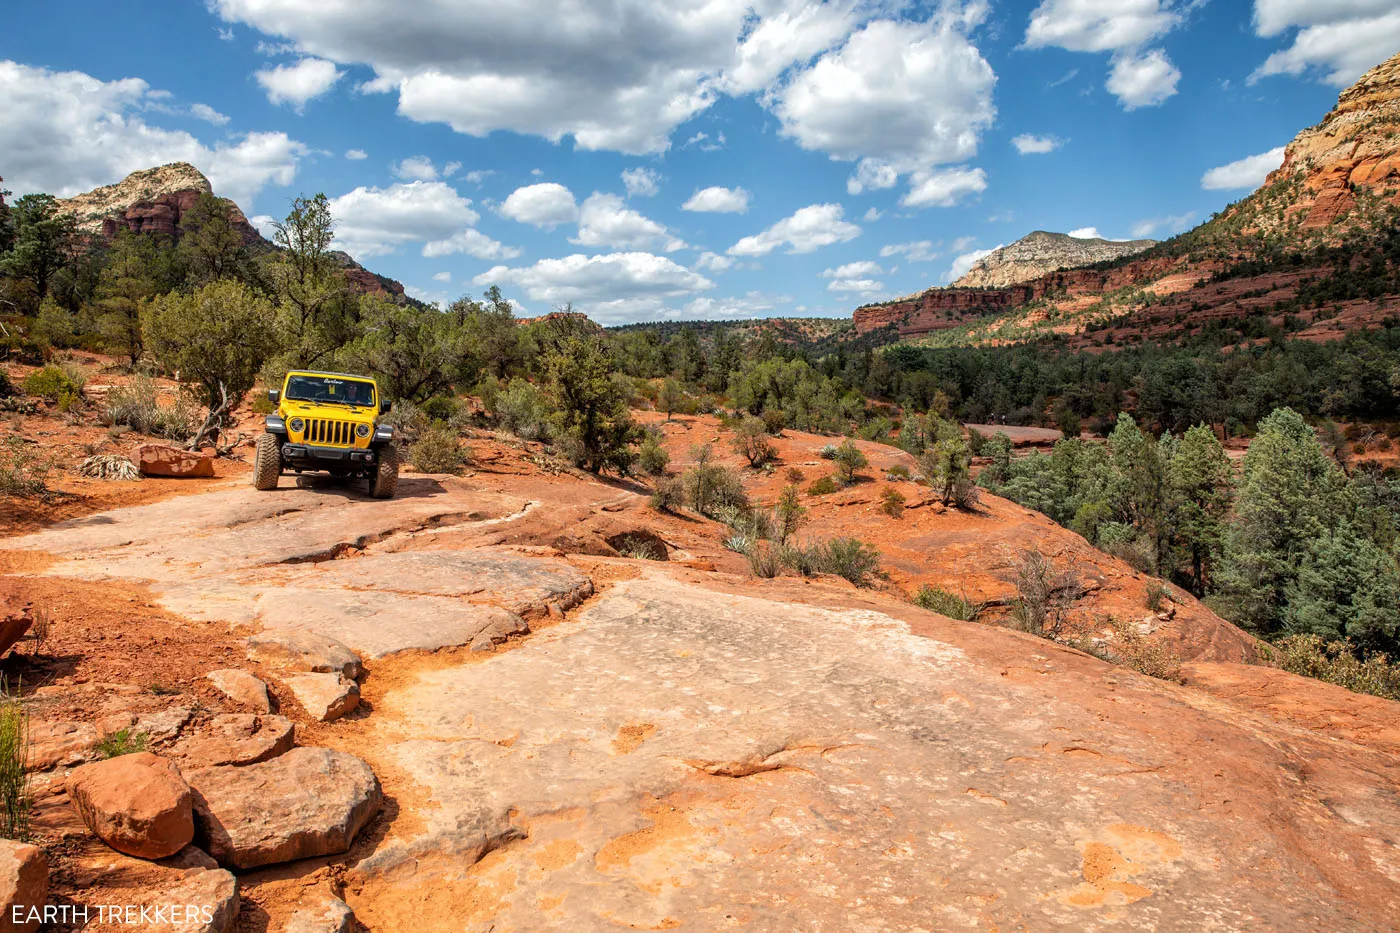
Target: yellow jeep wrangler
329	422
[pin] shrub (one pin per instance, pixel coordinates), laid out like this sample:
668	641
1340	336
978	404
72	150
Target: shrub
1131	648
16	799
216	337
789	514
1337	662
122	742
828	452
710	488
851	558
765	560
669	494
7	388
774	420
751	441
1157	596
23	474
892	503
438	450
849	459
947	604
55	385
1044	594
137	405
407	420
898	472
652	457
444	408
824	486
795	475
638	547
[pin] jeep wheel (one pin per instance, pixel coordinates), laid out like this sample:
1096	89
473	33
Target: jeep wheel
267	462
385	478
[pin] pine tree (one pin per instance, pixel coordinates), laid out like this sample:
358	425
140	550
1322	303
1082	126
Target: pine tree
591	422
1200	482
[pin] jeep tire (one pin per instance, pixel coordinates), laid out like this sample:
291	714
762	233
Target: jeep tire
385	477
267	462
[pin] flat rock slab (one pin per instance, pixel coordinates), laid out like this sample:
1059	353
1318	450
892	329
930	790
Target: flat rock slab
679	756
377	624
298	650
308	802
236	739
521	584
241	687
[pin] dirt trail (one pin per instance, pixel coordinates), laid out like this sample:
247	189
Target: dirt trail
653	745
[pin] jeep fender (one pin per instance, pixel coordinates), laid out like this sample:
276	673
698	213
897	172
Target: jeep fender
383	434
275	425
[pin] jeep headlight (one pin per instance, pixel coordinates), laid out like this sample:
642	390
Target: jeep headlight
296	424
362	430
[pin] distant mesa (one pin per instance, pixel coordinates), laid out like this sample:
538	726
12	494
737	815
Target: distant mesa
1041	253
153	201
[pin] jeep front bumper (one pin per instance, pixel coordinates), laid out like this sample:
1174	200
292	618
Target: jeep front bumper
304	453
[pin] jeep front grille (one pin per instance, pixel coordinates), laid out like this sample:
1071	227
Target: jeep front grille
330	433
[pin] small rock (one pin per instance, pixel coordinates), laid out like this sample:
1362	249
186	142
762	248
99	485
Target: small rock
326	915
138	804
161	460
484	642
308	802
199	900
24	883
190	857
326	697
292	649
163	726
238	739
241	687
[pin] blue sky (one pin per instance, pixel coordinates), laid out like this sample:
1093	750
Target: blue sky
694	159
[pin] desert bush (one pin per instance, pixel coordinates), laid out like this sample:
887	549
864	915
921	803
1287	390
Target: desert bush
1044	594
710	488
849	459
851	558
137	405
217	337
407	420
651	456
16	798
522	409
439	450
774	420
765	560
444	408
55	385
23	473
824	486
669	494
947	604
638	547
1336	662
892	503
122	742
789	514
1134	649
751	441
7	388
1157	596
898	472
828	452
795	475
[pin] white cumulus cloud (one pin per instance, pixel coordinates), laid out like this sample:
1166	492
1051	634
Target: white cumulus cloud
917	251
1028	144
641	182
1139	77
67	132
1341	38
944	188
378	221
356	155
854	270
546	204
807	230
714	262
208	114
963	263
297	84
416	168
1248	172
604	220
610	288
1087	233
718	200
865	287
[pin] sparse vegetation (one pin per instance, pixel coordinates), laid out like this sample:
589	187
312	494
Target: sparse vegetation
823	486
938	600
16	798
137	406
109	466
1045	593
23	472
1337	662
752	443
439	450
892	503
55	384
849	460
122	742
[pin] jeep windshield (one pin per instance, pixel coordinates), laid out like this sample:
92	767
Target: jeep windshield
332	390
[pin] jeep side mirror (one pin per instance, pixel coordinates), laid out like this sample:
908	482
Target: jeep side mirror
384	406
273	395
